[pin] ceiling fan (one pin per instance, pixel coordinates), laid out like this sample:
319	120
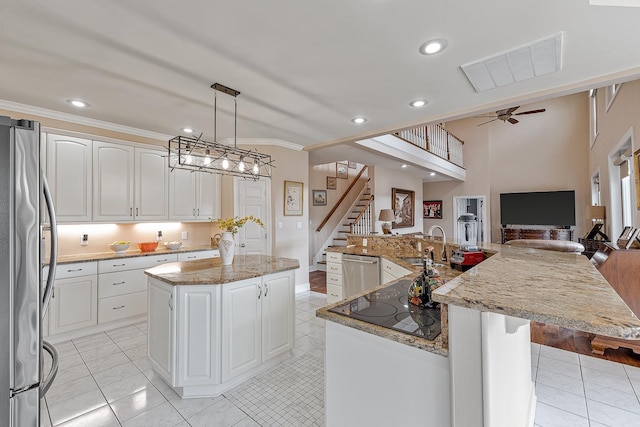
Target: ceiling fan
506	115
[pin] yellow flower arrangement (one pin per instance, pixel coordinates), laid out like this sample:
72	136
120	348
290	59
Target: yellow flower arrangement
233	224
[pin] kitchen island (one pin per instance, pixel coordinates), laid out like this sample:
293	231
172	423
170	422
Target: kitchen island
480	373
211	326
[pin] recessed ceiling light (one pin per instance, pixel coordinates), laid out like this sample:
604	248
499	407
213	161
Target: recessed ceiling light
77	103
418	103
359	120
405	166
433	46
187	130
432	174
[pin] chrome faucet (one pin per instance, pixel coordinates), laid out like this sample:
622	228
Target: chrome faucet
443	257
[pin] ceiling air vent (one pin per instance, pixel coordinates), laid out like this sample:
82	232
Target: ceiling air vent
536	59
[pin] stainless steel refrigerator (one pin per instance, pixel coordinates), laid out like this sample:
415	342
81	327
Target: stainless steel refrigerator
24	196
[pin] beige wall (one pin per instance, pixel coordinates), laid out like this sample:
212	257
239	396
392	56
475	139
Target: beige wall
384	180
544	152
623	115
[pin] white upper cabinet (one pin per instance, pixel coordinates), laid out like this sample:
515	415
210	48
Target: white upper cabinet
193	196
113	175
69	173
129	184
151	181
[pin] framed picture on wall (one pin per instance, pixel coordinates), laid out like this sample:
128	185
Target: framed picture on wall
319	197
432	209
332	183
403	207
342	170
293	192
352	165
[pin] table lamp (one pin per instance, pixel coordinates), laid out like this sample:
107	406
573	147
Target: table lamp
387	216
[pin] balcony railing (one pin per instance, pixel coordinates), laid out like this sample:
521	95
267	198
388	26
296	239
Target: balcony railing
436	140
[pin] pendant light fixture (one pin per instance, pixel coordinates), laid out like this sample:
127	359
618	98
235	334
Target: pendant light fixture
196	154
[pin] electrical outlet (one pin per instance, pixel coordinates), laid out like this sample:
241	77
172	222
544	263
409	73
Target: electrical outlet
159	236
364	242
84	240
185	235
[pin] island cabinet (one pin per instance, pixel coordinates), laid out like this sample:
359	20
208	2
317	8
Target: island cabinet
391	271
205	339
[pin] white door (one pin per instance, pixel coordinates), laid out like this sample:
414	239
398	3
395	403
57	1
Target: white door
253	198
477	206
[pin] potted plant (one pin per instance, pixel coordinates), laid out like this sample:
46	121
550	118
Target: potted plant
229	227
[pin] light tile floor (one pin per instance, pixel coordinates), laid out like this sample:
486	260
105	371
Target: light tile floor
105	380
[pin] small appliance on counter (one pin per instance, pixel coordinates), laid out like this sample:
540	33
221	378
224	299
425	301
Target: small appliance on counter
468	255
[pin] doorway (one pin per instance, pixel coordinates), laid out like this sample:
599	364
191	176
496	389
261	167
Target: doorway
253	198
476	205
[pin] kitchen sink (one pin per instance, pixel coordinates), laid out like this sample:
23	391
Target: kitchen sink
418	261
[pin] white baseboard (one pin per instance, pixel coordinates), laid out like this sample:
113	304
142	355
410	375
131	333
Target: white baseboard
303	287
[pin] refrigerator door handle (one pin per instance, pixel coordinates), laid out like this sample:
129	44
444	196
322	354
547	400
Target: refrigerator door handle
53	258
46	383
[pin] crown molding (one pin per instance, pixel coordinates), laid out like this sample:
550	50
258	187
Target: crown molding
80	120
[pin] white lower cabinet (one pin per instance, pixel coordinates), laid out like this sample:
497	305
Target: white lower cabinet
205	339
73	303
190	256
391	271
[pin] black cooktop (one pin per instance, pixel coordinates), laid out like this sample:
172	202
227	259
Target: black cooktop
389	307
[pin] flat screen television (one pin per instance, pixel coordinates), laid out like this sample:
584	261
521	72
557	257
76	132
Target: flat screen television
554	208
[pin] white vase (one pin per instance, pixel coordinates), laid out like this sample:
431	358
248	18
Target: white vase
226	247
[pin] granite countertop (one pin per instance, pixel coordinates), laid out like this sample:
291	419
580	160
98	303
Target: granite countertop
99	256
545	286
210	271
551	287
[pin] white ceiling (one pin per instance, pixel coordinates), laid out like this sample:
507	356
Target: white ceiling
305	68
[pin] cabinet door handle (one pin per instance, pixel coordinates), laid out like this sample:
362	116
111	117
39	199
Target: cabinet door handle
170	302
130	211
119	283
119	265
71	271
259	291
118	308
191	257
198	211
266	289
136	211
162	260
194	211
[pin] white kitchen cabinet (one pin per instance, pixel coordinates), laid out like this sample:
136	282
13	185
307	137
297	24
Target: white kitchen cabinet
113	176
190	256
129	183
278	315
151	183
242	331
391	271
334	277
73	304
69	174
193	196
203	340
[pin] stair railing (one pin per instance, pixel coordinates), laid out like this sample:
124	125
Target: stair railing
344	196
363	223
436	140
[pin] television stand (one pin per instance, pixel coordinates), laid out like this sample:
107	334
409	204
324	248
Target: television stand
536	233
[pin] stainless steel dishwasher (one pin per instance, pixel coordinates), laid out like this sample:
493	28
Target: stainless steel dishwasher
359	273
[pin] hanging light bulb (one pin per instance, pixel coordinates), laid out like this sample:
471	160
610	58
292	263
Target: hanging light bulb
225	162
207	157
188	159
256	168
241	165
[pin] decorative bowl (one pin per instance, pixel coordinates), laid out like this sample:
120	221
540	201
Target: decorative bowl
147	246
172	246
119	247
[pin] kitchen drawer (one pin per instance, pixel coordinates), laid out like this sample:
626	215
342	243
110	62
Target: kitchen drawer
134	263
190	256
334	257
122	306
393	269
334	293
121	282
334	267
334	279
76	269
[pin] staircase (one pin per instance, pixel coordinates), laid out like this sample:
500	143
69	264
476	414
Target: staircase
359	215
